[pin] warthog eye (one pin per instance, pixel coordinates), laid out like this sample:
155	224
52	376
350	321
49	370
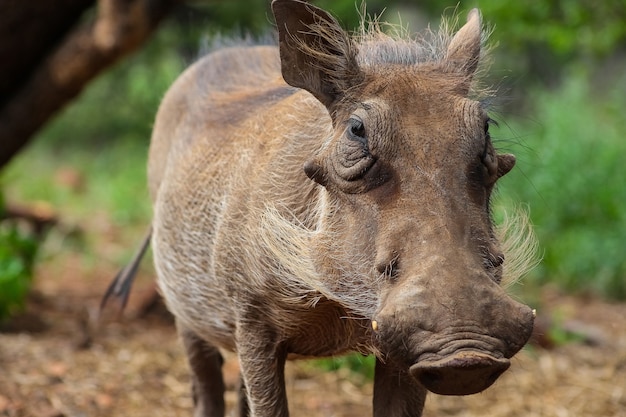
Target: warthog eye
355	157
356	130
389	269
352	165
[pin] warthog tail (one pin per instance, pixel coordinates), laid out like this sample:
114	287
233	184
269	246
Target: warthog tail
120	287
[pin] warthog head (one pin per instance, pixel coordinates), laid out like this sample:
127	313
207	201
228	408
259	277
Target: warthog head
409	169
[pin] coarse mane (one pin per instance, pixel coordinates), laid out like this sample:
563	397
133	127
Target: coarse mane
519	245
377	44
382	43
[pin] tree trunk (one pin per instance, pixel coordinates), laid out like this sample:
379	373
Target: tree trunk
119	27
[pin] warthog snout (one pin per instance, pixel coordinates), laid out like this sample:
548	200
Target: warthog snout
455	335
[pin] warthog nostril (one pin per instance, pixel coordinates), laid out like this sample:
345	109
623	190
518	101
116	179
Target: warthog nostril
389	267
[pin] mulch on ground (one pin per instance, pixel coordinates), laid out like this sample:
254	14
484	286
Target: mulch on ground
57	361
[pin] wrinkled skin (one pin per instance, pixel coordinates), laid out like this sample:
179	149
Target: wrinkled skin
347	209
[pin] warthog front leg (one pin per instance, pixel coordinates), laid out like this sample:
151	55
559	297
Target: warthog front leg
262	362
205	362
396	393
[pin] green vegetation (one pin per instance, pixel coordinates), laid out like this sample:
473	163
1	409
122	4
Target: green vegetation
559	334
17	256
569	28
571	174
355	363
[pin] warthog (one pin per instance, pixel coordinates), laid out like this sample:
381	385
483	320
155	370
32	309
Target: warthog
330	195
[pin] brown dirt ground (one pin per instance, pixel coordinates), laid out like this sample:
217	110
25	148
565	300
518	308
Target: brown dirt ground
56	360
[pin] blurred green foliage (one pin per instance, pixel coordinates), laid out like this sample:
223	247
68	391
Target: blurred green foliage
569	28
18	249
356	363
559	334
571	174
543	39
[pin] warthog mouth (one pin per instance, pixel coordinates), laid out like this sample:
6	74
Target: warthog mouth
462	373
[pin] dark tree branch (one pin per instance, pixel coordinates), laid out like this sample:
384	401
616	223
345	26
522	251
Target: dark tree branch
39	217
28	33
119	28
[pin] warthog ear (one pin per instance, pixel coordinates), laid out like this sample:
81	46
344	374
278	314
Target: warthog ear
506	162
316	53
463	51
